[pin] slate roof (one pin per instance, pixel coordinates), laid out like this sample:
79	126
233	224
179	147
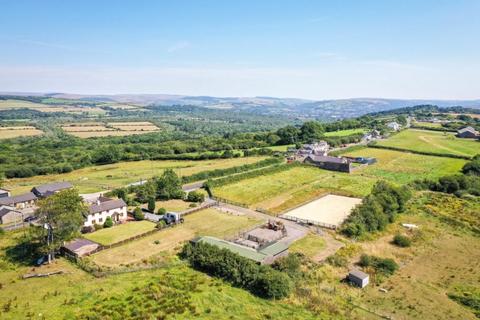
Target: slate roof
76	244
52	187
5	209
107	205
467	129
29	196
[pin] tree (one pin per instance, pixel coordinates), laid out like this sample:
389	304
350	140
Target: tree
138	214
169	186
146	191
288	135
151	204
106	155
108	223
472	167
311	130
62	215
195	196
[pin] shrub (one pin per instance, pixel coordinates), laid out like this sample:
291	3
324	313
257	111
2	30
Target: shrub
2	231
290	264
195	196
402	241
97	226
161	224
138	214
162	211
385	266
108	223
151	204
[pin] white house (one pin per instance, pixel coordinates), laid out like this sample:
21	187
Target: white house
106	207
393	126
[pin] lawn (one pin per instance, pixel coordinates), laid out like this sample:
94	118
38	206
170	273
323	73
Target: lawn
309	245
343	133
432	141
206	222
106	177
120	232
171	205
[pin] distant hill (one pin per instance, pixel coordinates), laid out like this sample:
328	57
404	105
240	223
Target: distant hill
291	107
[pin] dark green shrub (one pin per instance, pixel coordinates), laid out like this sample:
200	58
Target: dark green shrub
195	196
151	205
138	214
161	224
108	223
402	241
97	226
162	211
385	266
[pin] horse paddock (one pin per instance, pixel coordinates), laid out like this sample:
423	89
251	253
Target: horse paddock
328	211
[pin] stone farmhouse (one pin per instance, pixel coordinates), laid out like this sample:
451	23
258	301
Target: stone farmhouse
319	148
22	201
468	132
394	126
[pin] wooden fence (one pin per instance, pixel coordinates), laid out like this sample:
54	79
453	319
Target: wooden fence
312	222
235	203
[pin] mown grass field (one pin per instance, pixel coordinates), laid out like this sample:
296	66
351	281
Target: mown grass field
310	245
343	133
206	222
284	190
120	232
171	205
110	129
106	177
432	141
19	131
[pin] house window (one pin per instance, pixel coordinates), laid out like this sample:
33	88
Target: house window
100	220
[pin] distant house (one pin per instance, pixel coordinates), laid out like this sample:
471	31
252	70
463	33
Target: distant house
467	132
329	163
46	190
319	148
393	126
4	193
22	201
372	135
9	215
358	278
106	207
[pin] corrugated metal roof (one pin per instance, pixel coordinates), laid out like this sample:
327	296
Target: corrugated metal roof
274	249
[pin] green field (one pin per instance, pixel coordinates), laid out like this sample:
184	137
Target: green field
283	190
432	141
120	232
309	245
206	222
343	133
106	177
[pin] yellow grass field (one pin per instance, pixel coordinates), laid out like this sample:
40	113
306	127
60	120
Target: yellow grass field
89	130
168	240
106	177
120	232
14	132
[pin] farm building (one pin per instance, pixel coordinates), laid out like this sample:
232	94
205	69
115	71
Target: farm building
467	132
46	190
106	207
10	215
22	201
319	148
4	193
329	211
329	163
265	255
358	278
393	126
80	247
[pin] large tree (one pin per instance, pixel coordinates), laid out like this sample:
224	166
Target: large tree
61	215
169	186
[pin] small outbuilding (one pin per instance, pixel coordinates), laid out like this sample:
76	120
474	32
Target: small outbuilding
4	193
467	132
10	215
80	247
358	278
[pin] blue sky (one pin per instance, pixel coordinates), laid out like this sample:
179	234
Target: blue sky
304	49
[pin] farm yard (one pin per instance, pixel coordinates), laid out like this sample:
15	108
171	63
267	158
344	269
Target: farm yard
120	232
19	131
106	177
432	141
97	129
168	240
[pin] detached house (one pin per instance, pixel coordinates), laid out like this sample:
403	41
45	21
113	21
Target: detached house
393	126
46	190
106	207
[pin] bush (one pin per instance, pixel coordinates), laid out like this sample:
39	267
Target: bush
2	231
97	226
290	264
385	266
162	211
151	204
138	214
195	196
108	223
239	271
402	241
161	224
